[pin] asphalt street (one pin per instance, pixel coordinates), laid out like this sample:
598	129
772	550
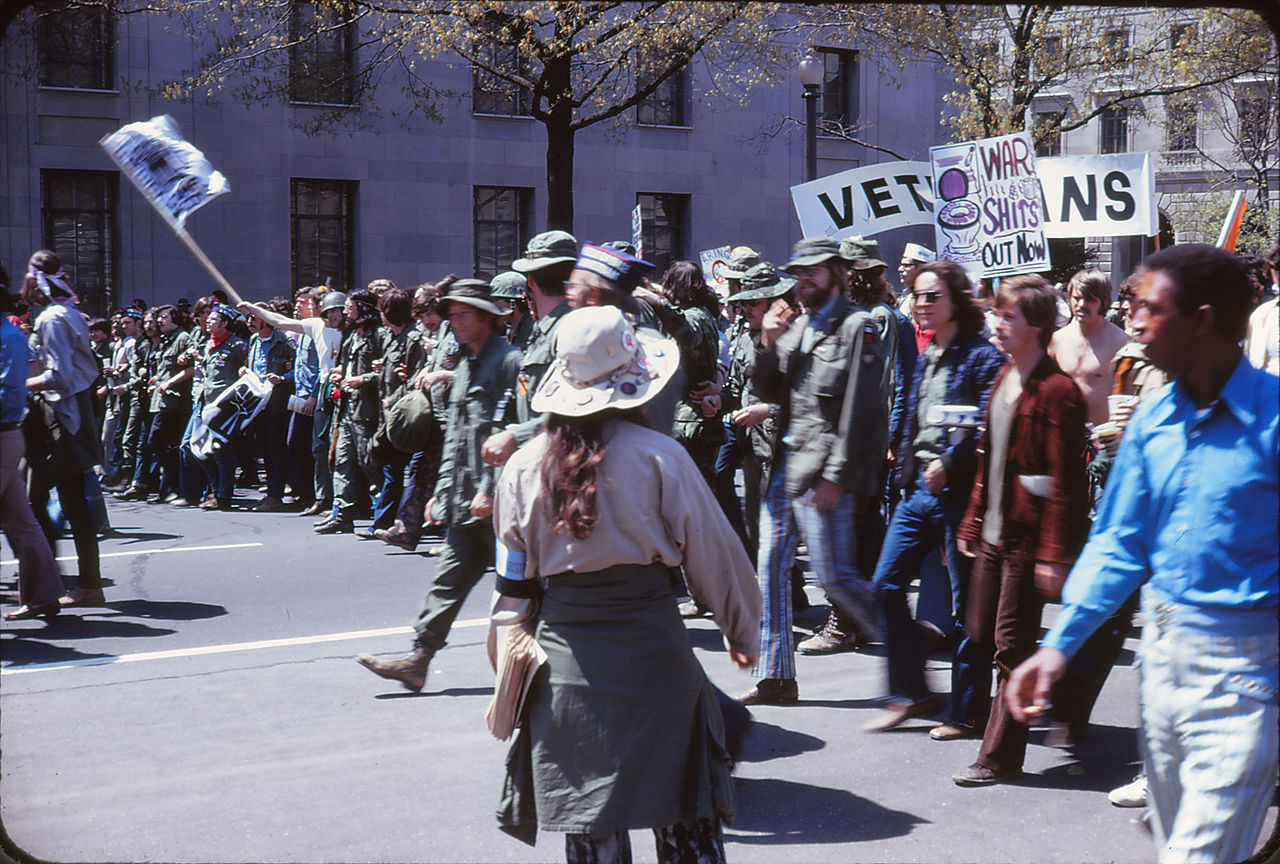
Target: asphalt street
213	711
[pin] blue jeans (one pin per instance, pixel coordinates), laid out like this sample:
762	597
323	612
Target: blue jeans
1209	711
920	524
831	536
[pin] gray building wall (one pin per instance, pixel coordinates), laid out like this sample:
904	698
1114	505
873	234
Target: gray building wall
414	202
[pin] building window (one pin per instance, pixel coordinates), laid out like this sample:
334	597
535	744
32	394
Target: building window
1115	47
668	104
322	223
1047	132
1048	60
1255	113
501	216
321	54
1180	121
664	225
76	48
1114	128
839	105
491	94
79	213
1182	36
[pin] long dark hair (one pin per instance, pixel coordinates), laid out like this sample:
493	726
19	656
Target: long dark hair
575	447
684	285
966	314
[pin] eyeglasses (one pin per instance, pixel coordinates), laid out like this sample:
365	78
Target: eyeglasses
927	296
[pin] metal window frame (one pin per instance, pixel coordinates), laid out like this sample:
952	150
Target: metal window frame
348	191
487	228
72	261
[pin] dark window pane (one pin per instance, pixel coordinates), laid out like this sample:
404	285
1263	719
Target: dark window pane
500	227
79	222
1114	125
492	94
322	58
666	105
75	48
1047	133
664	221
323	233
839	103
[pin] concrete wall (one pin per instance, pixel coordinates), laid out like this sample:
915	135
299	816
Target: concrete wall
415	176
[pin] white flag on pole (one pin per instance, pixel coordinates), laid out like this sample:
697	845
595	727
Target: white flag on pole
176	177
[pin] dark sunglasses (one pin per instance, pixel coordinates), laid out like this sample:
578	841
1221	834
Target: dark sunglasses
927	296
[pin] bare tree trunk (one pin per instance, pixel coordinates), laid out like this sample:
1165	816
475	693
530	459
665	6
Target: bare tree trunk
560	132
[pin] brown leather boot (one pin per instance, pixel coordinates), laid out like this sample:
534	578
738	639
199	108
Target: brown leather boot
410	670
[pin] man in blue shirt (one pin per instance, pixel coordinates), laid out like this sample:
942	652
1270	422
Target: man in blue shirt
39	585
1191	510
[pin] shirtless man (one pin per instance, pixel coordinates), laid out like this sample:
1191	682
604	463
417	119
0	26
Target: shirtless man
1084	348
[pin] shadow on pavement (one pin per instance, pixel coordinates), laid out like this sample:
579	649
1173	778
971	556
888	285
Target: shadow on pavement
71	625
167	610
135	536
776	812
764	741
448	691
21	649
1101	761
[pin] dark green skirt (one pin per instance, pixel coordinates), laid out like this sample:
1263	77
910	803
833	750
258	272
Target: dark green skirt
621	727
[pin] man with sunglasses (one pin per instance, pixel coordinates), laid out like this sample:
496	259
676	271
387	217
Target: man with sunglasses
935	469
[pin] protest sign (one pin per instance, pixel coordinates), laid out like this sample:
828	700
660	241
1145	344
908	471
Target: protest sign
637	236
714	261
174	176
1098	196
865	200
990	213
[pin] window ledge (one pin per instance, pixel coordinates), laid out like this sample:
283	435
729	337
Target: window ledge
295	103
93	90
487	116
683	127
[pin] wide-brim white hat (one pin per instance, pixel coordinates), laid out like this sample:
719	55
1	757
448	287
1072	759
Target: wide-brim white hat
602	361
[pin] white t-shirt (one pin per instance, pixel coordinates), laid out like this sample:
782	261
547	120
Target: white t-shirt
327	341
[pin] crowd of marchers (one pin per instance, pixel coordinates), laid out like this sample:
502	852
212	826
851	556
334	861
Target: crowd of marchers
965	441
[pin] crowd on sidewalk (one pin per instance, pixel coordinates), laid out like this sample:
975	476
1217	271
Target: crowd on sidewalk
967	442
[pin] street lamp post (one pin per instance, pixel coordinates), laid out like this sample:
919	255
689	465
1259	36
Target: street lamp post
811	75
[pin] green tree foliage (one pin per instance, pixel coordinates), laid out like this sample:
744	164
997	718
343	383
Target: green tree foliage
568	65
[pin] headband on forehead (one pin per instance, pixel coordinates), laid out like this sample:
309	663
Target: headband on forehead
228	312
623	270
44	281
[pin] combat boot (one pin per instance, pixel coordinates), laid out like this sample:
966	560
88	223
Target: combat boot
410	670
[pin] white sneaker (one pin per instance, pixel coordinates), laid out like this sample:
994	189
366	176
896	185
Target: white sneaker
1132	794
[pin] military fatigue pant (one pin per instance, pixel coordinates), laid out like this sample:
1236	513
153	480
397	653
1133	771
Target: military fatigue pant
351	475
467	554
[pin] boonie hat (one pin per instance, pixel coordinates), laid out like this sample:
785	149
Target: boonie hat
762	282
332	300
601	361
623	270
545	249
622	245
509	285
741	259
474	293
812	251
916	252
862	254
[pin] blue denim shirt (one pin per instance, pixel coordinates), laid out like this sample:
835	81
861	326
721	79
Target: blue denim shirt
15	357
1192	505
306	367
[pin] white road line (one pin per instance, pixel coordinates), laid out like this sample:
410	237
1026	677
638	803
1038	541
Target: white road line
159	551
224	649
